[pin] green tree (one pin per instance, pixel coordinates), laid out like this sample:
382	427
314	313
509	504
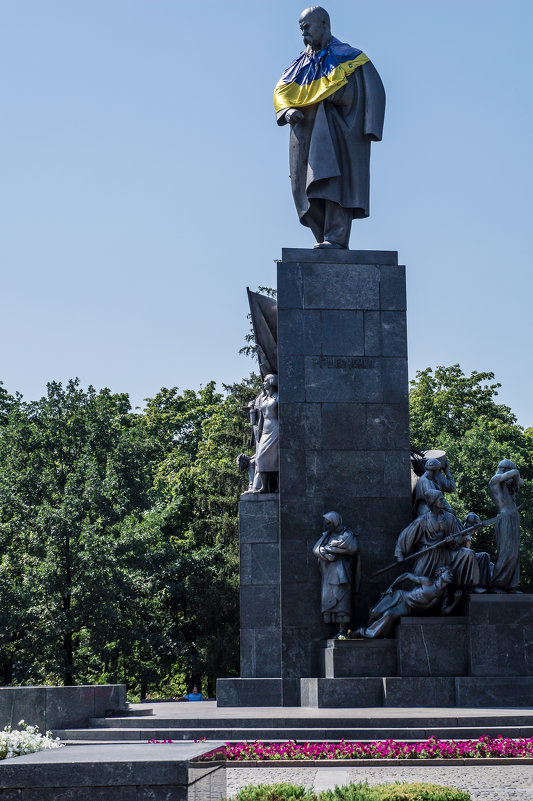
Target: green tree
73	467
119	536
198	486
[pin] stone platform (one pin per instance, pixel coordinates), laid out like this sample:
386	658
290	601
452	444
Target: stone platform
482	659
133	772
188	721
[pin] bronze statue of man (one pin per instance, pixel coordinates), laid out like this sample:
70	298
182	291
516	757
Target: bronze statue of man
333	99
502	487
435	477
435	527
396	603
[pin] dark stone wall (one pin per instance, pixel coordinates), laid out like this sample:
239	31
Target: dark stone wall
59	707
344	426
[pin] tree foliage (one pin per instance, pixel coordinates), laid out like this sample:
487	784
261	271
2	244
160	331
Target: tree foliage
118	534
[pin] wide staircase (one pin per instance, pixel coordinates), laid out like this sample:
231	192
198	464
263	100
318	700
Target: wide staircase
203	720
456	677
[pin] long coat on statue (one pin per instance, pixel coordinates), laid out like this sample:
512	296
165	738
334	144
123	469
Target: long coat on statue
429	529
329	151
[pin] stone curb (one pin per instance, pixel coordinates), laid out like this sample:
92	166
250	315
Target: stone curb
358	763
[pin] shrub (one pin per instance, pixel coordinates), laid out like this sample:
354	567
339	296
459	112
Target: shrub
399	791
275	792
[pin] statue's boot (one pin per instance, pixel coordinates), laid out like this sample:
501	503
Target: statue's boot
330	245
330	223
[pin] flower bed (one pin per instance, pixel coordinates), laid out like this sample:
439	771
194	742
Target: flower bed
432	748
27	740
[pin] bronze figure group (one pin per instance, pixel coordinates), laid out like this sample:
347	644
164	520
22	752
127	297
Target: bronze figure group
445	567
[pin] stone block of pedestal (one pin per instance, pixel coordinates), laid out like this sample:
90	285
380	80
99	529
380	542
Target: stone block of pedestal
347	658
432	646
342	692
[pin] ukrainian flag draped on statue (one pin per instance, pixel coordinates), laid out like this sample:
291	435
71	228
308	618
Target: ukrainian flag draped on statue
313	77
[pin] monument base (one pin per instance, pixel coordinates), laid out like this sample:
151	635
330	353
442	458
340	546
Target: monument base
484	659
474	692
344	446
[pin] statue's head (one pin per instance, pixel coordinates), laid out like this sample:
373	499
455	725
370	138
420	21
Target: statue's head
315	27
270	380
472	519
433	465
445	574
435	499
333	521
505	465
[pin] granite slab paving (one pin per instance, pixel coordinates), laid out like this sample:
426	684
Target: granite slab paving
484	783
328	778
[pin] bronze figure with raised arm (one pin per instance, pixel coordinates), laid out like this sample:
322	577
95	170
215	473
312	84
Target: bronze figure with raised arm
502	489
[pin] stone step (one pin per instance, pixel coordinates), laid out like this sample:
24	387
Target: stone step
128	711
301	734
417	719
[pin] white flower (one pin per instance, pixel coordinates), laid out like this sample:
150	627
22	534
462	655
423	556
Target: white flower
27	740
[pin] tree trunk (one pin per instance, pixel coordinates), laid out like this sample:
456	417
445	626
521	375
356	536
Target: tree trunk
7	672
69	660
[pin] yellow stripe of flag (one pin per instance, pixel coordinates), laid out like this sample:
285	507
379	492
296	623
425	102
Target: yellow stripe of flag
294	95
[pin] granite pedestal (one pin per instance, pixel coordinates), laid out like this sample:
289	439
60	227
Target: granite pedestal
344	446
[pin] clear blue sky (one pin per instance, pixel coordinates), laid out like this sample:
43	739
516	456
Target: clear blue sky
144	183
